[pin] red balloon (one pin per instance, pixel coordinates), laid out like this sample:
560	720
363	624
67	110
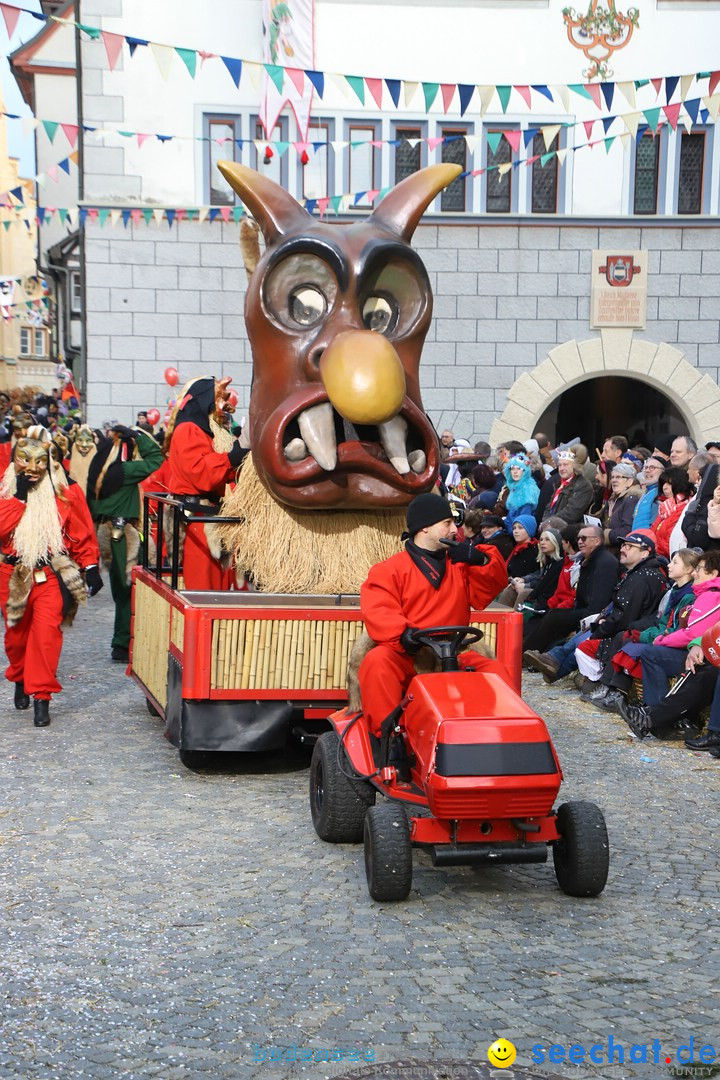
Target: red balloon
232	398
171	376
153	416
167	418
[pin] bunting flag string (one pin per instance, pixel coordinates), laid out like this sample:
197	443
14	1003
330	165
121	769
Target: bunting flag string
356	85
76	216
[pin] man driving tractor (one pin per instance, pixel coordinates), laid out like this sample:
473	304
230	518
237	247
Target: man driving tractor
435	581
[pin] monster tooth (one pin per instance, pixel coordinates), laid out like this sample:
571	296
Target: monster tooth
393	436
417	460
295	450
318	430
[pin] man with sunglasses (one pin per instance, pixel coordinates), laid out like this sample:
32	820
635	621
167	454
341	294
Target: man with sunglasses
599	571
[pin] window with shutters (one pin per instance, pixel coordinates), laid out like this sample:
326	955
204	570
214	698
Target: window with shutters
690	177
647	160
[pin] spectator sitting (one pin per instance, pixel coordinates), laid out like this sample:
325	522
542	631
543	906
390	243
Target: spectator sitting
487	499
522	560
482	480
663	445
564	595
626	662
464	489
543	583
713	518
695	521
522	491
601	488
617	515
446	441
573	493
487	529
677	492
647	507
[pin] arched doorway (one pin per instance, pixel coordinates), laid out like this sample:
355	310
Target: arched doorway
611	405
693	396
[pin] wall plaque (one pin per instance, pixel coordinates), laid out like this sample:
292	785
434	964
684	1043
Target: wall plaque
618	293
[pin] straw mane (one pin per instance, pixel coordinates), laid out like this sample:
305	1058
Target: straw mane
305	551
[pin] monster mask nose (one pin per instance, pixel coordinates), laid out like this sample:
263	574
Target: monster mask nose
363	376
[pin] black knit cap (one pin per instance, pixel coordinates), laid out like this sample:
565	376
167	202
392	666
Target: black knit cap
426	510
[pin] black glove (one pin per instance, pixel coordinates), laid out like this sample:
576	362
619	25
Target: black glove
22	486
123	432
93	580
409	645
237	454
465	553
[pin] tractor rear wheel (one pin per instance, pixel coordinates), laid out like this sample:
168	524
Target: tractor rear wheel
338	804
582	854
388	852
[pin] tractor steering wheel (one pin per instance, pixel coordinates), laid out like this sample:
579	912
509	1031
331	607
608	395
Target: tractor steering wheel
447	641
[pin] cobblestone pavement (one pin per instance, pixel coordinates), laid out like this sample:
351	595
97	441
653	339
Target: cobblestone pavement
157	922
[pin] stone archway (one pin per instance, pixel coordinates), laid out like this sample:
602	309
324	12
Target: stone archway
615	352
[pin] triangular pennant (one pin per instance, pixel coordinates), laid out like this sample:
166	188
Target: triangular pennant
671	82
277	74
639	83
147	215
225	213
92	32
53	173
623	139
410	89
588	125
593	91
310	204
430	92
238	213
653	117
372	194
126	217
103	215
50	128
632	121
544	158
74	157
505	167
18	194
203	213
115	216
6	225
282	147
133	42
513	137
693	105
564	95
627	89
686	121
71	133
712	104
608	143
472	142
65	165
297	78
448	93
541	88
549	134
357	84
255	71
581	90
318	80
561	155
159	216
524	92
486	95
528	136
336	202
113	46
465	91
170	215
11	16
394	86
608	92
323	205
704	113
657	85
607	123
714	80
672	113
531	160
189	59
503	93
136	215
493	138
375	88
164	56
686	82
82	216
214	214
434	142
141	137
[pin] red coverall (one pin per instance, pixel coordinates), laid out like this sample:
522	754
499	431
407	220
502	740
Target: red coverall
197	469
33	645
396	596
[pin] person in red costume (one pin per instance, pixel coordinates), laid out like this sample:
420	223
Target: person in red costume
49	565
435	581
203	458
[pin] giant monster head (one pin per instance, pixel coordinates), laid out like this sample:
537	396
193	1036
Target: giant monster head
337	316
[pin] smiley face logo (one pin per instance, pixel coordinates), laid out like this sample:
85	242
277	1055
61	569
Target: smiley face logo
501	1054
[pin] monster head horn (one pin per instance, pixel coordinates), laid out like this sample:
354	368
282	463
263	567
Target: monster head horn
274	208
402	208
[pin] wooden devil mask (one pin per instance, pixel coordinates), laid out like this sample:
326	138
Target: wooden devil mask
337	317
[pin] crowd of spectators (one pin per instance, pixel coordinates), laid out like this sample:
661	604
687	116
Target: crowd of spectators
614	562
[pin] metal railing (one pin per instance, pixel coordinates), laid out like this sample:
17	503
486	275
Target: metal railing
182	514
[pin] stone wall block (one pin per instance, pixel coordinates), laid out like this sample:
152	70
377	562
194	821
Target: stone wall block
642	357
537	285
703	394
707	331
616	343
540	237
566	358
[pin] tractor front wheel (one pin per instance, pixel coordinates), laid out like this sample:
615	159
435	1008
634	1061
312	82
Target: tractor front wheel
388	852
338	804
582	854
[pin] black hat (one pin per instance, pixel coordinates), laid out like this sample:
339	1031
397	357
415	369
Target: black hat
426	510
708	445
491	520
640	538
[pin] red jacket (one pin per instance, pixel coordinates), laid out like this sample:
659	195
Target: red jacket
564	595
196	468
397	595
77	526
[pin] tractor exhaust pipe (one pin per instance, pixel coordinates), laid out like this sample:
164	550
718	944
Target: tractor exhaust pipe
474	854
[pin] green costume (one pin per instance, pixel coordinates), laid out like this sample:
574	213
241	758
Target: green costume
123	502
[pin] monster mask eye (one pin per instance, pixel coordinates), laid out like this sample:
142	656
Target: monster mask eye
300	291
394	300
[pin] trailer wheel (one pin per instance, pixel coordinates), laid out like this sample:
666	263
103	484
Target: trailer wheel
195	759
388	852
338	805
582	854
151	708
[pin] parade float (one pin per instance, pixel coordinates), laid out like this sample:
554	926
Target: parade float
339	445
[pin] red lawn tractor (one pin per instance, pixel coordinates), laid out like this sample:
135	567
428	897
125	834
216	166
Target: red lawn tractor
477	769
